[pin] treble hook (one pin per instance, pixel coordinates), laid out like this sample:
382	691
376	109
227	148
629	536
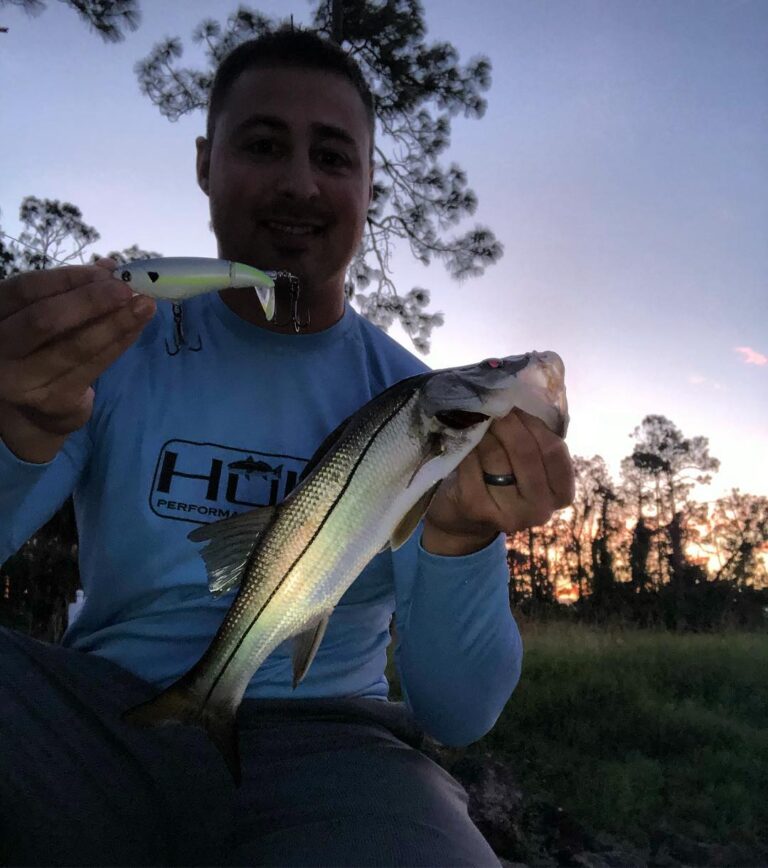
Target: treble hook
179	339
293	282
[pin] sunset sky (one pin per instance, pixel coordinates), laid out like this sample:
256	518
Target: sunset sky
622	162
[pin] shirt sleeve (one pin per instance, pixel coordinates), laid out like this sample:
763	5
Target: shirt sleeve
31	493
458	649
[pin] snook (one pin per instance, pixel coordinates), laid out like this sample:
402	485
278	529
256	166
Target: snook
367	486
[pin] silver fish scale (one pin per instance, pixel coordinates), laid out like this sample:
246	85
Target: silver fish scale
324	535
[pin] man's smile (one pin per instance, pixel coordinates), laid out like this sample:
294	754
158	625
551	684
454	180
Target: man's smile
294	227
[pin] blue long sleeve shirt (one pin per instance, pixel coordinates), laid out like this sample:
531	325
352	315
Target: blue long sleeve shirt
177	440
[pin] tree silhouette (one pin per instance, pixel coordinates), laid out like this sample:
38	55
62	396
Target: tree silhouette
669	459
581	524
640	547
603	575
418	89
739	536
109	18
603	545
667	465
54	233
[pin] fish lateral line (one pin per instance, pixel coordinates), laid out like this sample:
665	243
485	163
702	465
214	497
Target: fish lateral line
326	517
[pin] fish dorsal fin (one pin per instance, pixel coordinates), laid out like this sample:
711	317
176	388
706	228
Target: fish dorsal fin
305	647
411	519
232	542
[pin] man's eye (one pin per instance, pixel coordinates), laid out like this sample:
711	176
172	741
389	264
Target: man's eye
262	147
332	159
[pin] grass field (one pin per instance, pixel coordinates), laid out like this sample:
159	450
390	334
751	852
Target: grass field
630	730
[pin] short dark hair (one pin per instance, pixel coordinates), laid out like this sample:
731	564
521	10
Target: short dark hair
302	49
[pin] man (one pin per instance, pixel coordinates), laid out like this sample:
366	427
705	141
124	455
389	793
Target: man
154	438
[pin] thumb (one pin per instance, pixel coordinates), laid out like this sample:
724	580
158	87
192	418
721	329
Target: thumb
106	262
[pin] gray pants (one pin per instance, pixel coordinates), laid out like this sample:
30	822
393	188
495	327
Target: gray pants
325	782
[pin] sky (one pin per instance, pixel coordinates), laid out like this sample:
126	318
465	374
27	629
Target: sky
622	163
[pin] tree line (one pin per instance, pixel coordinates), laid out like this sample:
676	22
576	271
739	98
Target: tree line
640	550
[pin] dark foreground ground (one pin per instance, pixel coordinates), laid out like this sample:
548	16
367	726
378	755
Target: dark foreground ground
627	747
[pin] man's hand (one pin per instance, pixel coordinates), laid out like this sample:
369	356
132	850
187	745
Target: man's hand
467	513
59	331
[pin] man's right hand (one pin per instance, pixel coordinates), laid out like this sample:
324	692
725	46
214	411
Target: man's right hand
59	331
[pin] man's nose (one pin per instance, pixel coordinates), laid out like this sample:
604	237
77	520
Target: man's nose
298	178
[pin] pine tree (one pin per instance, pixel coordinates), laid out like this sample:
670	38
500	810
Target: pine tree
109	18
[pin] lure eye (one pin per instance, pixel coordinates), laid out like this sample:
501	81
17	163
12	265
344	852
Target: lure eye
126	276
494	363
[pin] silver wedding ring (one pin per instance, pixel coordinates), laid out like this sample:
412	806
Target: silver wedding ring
499	478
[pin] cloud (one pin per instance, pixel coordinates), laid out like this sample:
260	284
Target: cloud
751	357
698	380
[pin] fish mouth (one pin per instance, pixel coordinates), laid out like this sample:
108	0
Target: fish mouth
460	419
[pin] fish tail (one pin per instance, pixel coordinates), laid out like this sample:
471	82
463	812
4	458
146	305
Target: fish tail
180	705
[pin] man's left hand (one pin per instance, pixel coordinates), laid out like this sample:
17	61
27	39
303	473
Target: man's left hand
467	513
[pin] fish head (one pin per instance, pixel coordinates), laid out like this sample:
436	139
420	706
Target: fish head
465	397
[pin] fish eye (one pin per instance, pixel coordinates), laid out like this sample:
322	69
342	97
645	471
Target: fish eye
126	276
494	363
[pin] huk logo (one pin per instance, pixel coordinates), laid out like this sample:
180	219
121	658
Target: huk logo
206	481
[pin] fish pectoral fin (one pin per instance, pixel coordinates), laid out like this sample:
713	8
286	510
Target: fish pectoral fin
409	522
232	542
433	448
305	647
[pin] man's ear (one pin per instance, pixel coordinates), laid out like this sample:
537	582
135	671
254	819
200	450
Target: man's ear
203	163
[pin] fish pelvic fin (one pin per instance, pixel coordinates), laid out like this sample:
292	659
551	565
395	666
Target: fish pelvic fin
179	705
305	647
231	544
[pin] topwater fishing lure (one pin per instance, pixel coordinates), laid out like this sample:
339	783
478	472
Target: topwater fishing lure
177	278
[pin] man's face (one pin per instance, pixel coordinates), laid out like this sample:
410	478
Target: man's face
288	173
